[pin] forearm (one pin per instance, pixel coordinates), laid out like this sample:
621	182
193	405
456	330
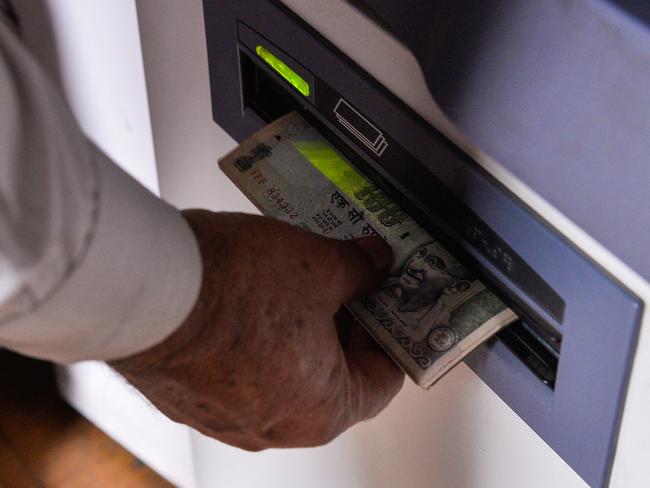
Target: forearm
91	264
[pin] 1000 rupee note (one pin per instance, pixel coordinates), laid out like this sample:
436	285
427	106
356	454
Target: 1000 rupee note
431	311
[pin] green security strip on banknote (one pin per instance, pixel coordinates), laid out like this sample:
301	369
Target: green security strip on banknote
334	167
431	311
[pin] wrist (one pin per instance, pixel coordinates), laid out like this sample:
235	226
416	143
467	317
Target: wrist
183	340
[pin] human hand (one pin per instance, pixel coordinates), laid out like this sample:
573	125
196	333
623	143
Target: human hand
259	362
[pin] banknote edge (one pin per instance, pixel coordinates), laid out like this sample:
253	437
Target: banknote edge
469	344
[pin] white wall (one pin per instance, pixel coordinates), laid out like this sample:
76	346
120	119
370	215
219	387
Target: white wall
187	141
92	48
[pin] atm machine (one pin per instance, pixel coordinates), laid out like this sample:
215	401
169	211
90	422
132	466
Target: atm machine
516	132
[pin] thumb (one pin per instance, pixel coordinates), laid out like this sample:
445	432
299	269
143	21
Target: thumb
364	264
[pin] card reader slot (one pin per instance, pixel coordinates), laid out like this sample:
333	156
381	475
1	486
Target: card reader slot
269	98
525	343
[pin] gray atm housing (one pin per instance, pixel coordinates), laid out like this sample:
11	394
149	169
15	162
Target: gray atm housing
556	289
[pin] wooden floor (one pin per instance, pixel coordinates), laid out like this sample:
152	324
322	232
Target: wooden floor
46	444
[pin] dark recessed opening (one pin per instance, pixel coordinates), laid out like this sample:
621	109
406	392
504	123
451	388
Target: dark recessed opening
263	93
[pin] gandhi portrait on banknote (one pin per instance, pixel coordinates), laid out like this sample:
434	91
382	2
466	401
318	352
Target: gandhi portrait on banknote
428	276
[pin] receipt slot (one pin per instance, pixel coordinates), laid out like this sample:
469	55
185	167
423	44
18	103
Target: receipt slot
564	367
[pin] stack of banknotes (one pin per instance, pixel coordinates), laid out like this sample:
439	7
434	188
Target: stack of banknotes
430	312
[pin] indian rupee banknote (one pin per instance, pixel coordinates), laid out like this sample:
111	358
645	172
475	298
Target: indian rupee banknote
431	311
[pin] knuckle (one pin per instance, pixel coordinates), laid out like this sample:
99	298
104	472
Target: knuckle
333	272
336	258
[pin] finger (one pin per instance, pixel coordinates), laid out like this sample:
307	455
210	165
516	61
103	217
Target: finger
374	380
359	338
344	321
351	333
364	263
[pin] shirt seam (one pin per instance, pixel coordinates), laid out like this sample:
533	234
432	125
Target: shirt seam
75	263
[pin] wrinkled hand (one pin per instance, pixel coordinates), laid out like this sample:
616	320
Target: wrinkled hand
259	362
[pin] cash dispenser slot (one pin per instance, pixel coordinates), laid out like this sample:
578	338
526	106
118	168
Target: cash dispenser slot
266	94
564	367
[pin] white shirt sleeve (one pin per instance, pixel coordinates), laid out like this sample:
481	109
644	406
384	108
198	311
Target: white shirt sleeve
92	265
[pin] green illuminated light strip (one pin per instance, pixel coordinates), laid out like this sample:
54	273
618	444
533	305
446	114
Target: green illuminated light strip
283	70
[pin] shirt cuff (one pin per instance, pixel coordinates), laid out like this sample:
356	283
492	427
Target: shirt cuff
138	280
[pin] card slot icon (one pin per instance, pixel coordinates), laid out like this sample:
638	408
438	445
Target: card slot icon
360	127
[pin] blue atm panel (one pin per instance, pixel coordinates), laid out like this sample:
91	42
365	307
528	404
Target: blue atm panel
565	366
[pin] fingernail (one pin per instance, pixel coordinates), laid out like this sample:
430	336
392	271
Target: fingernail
380	252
